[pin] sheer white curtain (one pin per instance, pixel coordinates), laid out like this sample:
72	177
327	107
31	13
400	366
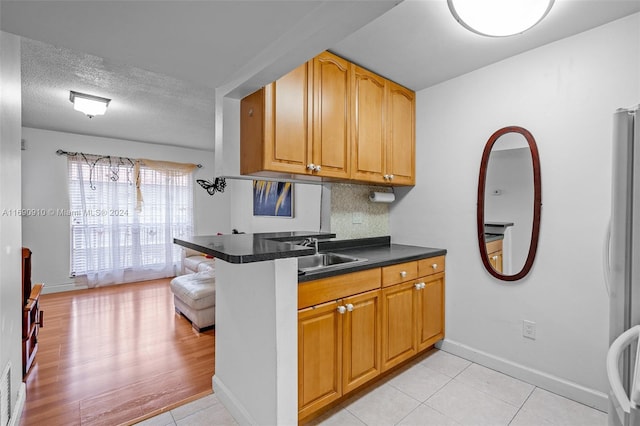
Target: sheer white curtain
114	238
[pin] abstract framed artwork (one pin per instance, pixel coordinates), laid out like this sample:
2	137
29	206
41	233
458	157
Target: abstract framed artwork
272	198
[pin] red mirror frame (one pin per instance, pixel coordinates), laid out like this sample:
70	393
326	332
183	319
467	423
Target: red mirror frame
537	202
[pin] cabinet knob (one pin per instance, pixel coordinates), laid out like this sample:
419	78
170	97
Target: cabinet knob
495	258
349	307
385	177
403	274
311	166
317	168
417	286
422	286
391	177
434	266
342	309
250	112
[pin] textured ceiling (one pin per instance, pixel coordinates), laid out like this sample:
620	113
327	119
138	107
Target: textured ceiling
146	106
161	60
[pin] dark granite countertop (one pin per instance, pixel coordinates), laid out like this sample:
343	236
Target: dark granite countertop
493	237
378	251
246	248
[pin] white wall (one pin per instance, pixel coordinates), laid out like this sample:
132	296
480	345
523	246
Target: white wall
564	93
10	224
44	186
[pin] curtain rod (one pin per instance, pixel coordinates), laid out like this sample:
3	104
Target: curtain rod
67	153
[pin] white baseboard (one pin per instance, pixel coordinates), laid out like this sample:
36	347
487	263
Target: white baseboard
232	404
50	289
557	385
19	405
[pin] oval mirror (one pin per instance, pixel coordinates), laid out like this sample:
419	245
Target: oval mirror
509	203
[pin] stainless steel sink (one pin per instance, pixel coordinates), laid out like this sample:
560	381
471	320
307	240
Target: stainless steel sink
326	261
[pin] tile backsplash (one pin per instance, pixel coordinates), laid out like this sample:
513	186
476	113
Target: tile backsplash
349	204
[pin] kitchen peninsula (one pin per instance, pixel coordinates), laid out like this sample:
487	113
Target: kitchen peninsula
258	306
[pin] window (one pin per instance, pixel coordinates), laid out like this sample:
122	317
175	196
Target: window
111	240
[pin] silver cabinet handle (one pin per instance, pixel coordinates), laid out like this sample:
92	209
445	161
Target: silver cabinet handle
311	166
349	307
419	286
434	266
495	258
391	177
317	168
342	309
403	274
422	286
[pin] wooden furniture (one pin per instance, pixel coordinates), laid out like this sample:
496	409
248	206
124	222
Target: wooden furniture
32	316
332	120
353	327
494	255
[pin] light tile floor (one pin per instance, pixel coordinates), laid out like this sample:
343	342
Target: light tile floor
437	389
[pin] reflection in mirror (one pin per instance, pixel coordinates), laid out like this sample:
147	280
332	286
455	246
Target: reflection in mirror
509	203
508	200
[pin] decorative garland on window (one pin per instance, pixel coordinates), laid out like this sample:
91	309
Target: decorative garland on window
115	163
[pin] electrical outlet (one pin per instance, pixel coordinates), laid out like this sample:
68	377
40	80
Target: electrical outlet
529	329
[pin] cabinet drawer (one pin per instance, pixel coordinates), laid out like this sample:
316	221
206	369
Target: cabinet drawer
401	272
333	288
430	266
494	246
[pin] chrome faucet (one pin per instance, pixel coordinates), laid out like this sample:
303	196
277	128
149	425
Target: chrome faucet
308	241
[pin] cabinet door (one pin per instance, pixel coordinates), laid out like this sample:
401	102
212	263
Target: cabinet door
430	311
368	148
331	115
400	161
319	357
361	339
286	139
398	324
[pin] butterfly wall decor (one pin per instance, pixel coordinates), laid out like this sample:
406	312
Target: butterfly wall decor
218	184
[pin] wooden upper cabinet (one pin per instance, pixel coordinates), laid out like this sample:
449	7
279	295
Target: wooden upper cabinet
368	125
401	140
332	119
274	131
331	116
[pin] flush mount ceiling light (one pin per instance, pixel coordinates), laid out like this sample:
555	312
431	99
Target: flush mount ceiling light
499	18
88	104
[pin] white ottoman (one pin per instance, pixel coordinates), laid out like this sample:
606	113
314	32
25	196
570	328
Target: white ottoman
194	296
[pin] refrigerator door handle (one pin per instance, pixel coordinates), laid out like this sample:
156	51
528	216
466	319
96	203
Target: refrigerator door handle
618	395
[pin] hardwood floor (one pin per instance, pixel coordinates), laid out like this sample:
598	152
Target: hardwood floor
115	354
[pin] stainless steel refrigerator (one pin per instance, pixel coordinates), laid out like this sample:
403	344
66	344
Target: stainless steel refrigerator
624	271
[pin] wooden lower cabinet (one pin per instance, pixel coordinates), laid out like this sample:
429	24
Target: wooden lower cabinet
412	318
319	357
361	340
398	324
494	253
430	311
349	341
338	349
